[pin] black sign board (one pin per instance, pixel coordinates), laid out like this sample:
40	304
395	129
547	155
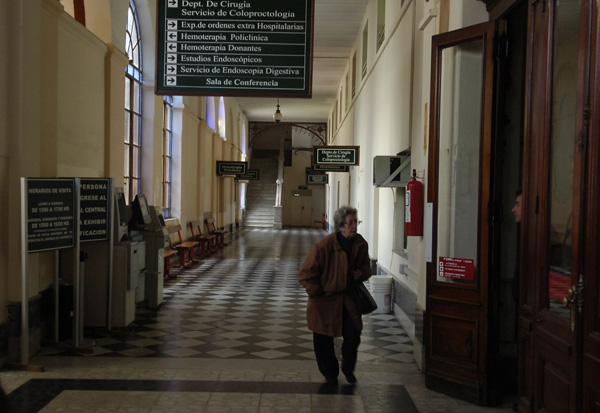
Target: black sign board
336	155
94	209
236	48
319	169
331	168
250	175
50	214
231	168
317	179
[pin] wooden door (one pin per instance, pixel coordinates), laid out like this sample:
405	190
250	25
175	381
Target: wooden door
296	220
591	252
459	188
559	318
306	210
302	209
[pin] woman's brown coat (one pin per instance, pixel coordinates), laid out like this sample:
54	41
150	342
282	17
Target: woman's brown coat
325	275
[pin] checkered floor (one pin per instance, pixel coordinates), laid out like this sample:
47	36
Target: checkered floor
244	302
231	336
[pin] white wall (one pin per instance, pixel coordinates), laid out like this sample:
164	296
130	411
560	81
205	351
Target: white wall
389	114
380	123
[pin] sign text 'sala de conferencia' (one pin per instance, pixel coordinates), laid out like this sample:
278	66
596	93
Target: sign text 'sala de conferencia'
235	48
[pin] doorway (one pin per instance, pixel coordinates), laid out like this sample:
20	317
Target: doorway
476	150
507	172
545	85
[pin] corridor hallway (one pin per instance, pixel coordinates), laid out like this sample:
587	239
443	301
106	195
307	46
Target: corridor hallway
230	336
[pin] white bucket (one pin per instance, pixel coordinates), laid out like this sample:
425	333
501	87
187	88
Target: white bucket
381	288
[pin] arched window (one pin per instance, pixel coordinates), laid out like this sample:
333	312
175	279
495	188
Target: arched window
133	106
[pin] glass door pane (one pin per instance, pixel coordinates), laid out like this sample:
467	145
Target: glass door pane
562	152
459	166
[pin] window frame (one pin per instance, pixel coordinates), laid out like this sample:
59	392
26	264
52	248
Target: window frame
132	176
167	156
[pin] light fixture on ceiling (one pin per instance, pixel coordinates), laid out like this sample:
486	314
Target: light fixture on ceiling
277	116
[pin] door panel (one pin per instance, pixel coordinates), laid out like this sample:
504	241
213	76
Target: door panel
459	190
555	341
591	278
535	130
457	341
555	214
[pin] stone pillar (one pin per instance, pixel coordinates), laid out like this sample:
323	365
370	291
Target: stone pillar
278	217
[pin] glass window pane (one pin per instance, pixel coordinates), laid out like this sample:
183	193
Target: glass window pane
136	130
168	143
127	170
562	146
168	116
135	55
127	131
136	97
126	190
458	175
127	93
135	169
135	184
167	195
168	169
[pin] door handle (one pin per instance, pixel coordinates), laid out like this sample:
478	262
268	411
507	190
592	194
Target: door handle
570	298
574	299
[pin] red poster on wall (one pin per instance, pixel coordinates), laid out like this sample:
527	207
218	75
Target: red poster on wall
460	268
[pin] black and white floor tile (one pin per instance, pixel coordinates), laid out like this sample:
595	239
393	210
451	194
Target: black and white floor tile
245	302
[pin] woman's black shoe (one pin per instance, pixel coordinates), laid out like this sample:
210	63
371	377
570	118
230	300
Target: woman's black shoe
350	377
332	380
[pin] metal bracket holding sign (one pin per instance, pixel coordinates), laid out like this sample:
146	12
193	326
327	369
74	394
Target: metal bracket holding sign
231	168
248	48
336	155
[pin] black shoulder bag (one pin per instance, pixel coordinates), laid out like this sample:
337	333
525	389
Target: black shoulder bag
365	303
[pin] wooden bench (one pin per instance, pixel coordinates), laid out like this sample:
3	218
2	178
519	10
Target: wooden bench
207	241
183	247
219	233
167	254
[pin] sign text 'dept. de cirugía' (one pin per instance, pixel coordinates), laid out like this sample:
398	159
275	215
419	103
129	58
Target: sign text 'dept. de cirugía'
239	48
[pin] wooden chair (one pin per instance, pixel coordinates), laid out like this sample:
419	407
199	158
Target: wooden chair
207	241
219	233
321	222
183	247
167	254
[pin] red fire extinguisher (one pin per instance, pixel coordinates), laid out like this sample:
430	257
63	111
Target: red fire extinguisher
414	207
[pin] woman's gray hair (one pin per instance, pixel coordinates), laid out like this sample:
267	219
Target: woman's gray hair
339	218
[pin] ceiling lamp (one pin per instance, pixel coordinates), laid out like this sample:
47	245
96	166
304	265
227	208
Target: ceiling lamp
277	116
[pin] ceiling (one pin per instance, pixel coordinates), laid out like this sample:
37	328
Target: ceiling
336	26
